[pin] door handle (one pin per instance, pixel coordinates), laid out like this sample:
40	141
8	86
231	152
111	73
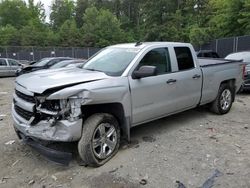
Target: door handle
171	81
197	76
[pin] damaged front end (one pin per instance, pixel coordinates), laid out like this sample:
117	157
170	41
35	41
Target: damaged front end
51	120
38	120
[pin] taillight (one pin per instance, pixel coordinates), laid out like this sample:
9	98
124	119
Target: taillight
244	73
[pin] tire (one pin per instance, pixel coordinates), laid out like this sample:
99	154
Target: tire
224	100
97	145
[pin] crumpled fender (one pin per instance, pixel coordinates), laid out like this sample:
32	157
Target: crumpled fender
113	90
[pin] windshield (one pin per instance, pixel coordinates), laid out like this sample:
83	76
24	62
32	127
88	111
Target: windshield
62	64
41	62
112	61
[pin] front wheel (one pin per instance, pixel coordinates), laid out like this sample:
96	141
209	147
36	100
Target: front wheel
224	100
100	139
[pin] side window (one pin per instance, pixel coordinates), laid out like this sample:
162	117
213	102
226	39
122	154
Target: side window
12	62
184	58
159	58
3	62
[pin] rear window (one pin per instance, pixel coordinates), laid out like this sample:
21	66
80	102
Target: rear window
184	58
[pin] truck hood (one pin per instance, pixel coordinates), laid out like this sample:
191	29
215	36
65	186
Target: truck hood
39	82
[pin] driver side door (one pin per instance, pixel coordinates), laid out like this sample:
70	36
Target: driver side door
153	97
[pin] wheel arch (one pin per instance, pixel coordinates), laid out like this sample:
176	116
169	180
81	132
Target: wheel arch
115	109
231	83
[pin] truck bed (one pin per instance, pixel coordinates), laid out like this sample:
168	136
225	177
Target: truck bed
207	62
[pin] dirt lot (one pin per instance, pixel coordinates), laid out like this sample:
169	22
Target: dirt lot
189	147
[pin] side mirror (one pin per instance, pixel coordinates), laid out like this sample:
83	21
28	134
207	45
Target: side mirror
145	71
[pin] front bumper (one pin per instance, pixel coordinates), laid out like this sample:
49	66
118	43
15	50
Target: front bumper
61	131
56	156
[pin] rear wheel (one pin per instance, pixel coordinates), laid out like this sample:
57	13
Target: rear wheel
224	100
100	139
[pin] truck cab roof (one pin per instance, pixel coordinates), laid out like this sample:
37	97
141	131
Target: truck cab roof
141	45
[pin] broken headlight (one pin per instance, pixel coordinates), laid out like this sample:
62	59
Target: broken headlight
69	109
72	107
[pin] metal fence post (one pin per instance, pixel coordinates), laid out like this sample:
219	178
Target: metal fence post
237	43
6	51
216	45
234	44
33	54
88	52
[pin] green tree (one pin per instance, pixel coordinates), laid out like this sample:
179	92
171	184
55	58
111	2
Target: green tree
162	21
61	11
51	38
101	28
225	19
37	11
14	12
33	34
69	34
199	36
244	18
81	6
9	36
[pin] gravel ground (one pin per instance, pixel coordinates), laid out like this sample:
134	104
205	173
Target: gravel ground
190	147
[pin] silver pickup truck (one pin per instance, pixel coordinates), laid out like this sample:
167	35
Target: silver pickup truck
120	87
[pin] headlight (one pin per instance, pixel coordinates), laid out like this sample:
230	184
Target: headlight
72	107
75	107
64	108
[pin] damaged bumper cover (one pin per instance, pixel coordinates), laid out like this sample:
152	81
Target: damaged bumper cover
60	131
56	156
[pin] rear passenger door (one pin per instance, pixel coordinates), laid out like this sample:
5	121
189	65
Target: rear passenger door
189	79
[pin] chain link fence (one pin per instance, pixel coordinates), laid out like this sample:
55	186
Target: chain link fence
32	53
226	46
222	46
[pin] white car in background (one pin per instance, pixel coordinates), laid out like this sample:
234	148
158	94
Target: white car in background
245	57
8	67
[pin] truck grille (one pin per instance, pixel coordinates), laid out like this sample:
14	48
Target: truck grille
23	113
27	98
